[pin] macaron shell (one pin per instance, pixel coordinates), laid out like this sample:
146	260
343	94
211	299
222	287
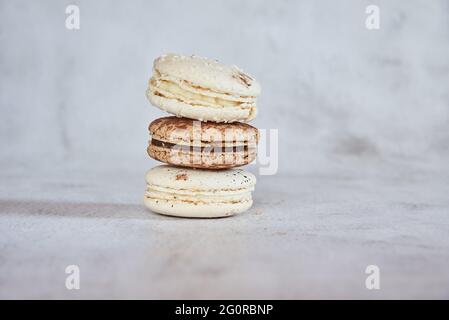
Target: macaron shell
207	73
202	113
190	210
193	132
212	160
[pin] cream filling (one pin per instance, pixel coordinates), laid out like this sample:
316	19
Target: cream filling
196	196
178	143
202	90
171	89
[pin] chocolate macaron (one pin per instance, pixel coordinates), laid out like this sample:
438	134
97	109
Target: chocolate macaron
206	145
185	192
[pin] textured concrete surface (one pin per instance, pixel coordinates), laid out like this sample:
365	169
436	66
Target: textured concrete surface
307	236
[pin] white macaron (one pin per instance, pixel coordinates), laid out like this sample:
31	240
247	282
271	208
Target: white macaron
198	193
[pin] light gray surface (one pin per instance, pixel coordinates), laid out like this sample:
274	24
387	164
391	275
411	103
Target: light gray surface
363	119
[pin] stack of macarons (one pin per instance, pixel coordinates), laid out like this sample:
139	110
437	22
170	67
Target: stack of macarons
205	139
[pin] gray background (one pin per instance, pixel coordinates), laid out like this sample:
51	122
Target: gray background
363	119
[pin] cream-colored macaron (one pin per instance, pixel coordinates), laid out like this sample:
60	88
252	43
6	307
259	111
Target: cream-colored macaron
198	193
204	145
202	89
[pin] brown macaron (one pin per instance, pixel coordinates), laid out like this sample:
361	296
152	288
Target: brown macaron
206	145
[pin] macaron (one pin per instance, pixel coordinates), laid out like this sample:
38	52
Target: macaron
202	89
195	193
205	145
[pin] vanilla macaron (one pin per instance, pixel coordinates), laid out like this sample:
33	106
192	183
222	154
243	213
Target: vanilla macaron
198	193
202	89
205	145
